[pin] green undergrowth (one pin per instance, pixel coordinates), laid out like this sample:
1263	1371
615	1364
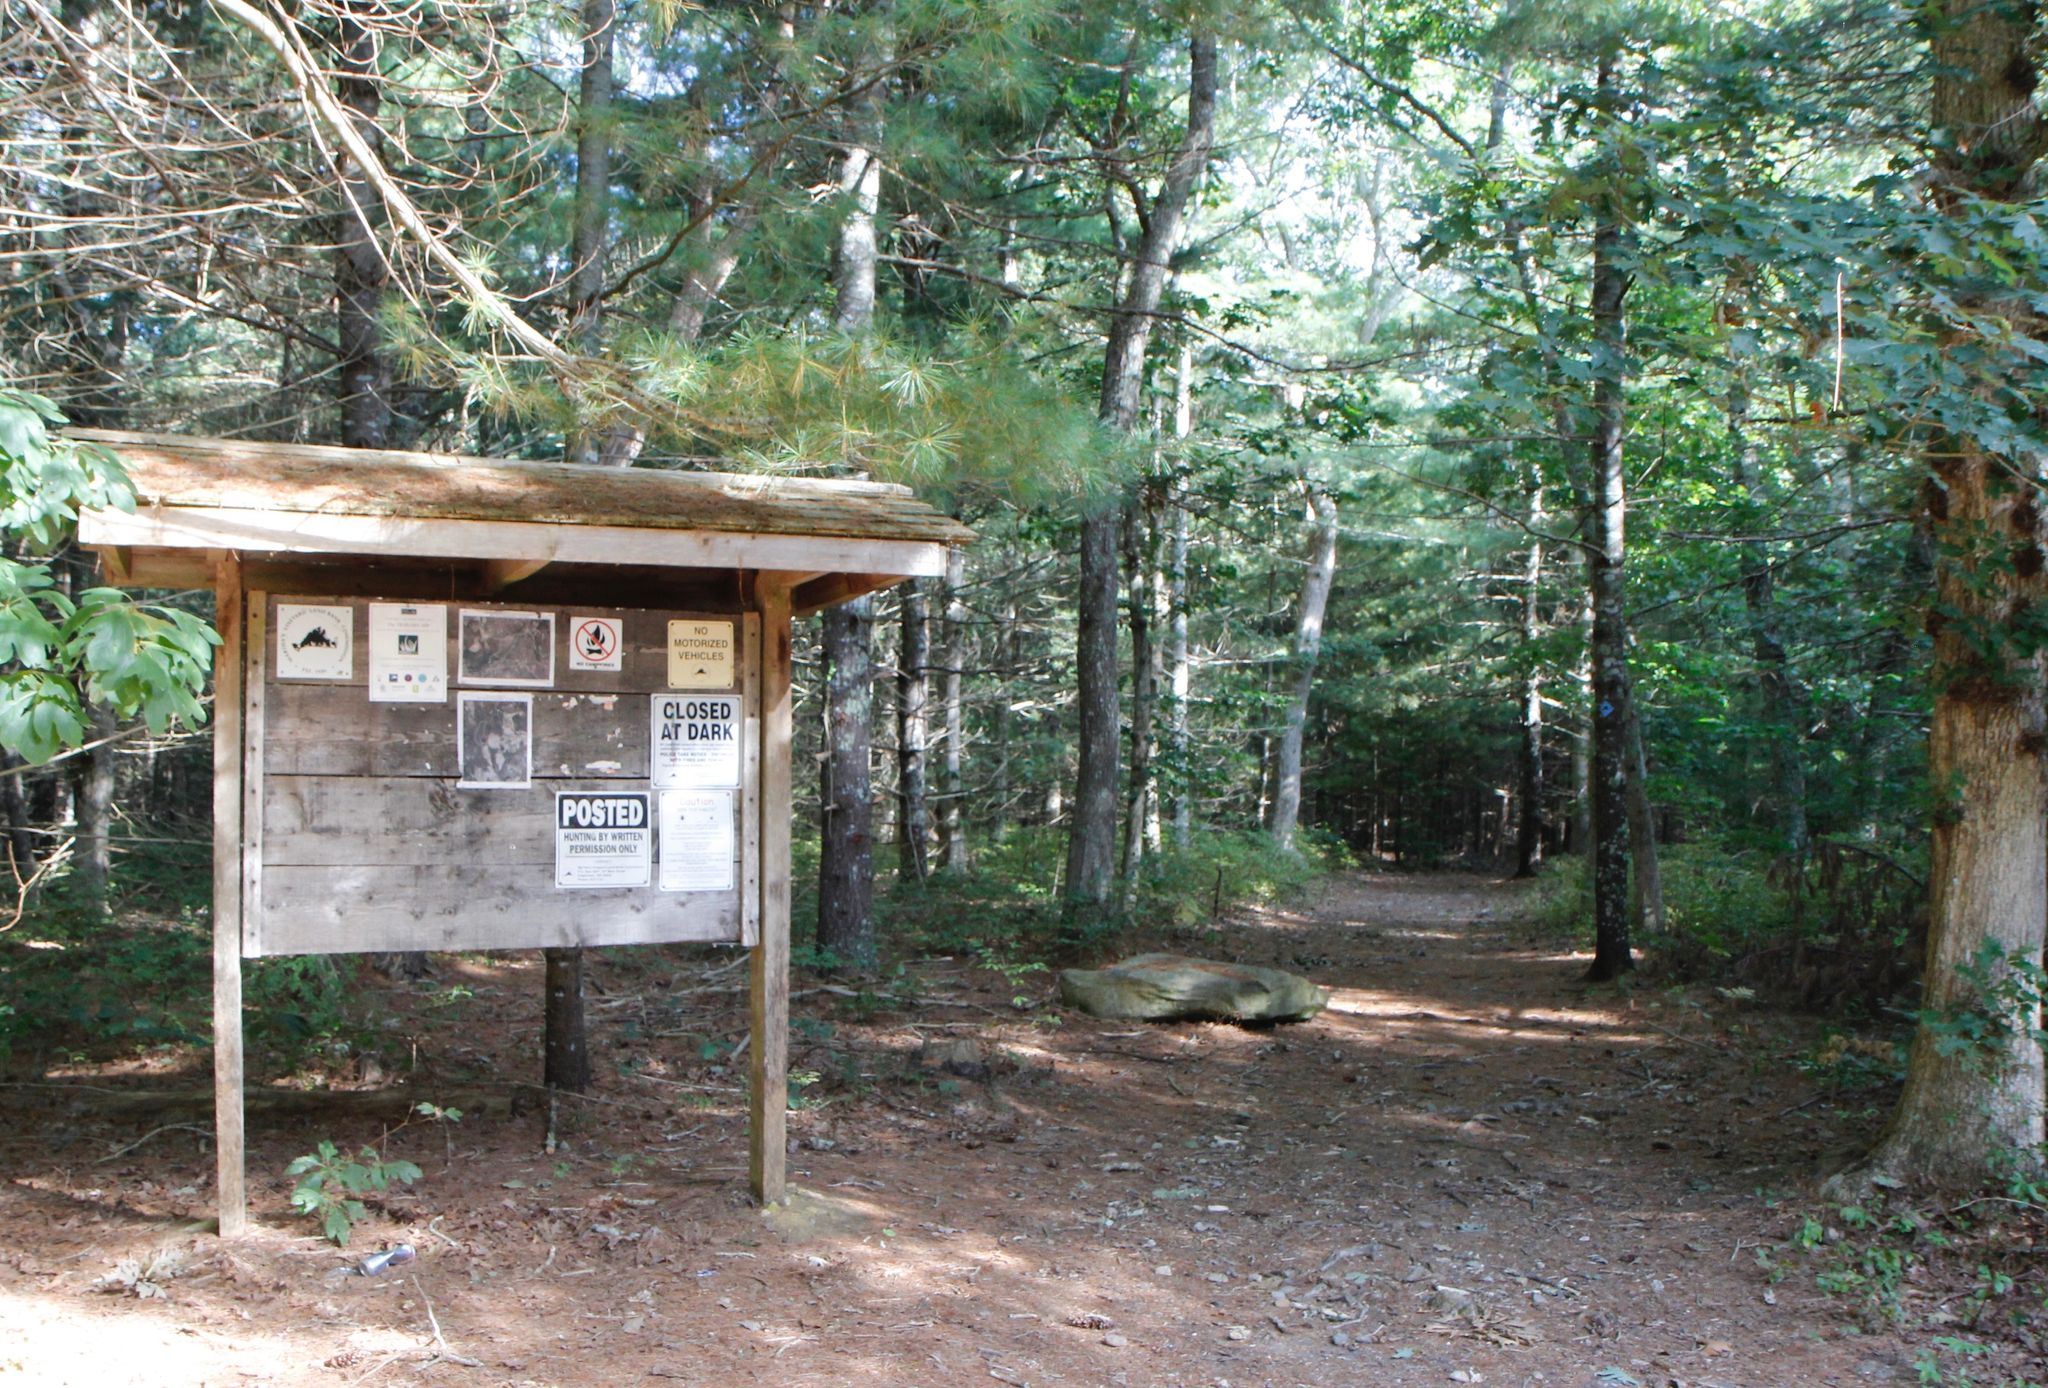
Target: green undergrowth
1962	1284
1842	926
1009	906
76	982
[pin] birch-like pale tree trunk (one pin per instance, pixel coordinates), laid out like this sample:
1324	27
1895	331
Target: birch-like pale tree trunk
1308	645
1529	780
952	822
1180	672
1138	529
913	697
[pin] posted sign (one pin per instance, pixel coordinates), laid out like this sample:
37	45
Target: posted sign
603	840
694	741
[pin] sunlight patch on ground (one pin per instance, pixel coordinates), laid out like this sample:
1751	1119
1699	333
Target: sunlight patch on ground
41	1344
1402	1012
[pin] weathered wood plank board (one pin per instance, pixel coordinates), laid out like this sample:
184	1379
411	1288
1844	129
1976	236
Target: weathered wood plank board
644	658
346	910
330	730
322	821
367	842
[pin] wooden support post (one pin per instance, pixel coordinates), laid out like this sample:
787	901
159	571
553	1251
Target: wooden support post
768	1059
231	1191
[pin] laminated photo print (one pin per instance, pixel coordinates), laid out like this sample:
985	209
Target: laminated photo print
516	648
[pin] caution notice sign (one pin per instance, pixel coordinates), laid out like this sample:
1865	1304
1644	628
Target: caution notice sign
693	741
698	841
701	655
603	840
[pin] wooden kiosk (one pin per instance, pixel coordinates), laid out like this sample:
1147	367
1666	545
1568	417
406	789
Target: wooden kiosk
466	703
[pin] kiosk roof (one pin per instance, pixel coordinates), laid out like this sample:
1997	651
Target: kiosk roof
302	500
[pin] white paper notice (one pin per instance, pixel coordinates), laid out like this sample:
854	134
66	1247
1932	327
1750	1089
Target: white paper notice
315	641
693	741
603	840
698	836
596	643
408	653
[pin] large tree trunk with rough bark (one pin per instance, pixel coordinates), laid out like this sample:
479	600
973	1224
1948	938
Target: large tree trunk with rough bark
565	1042
846	860
1091	842
1966	1110
362	277
1308	645
1607	564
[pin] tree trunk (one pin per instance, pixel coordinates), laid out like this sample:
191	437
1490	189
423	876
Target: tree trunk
21	835
1646	877
1002	721
1611	952
1308	644
1091	843
952	831
1967	1110
567	1064
1529	781
1144	695
913	692
1781	700
1091	838
846	862
565	1039
95	801
1180	681
362	277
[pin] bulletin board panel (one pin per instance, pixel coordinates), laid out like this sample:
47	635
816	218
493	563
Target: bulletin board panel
416	822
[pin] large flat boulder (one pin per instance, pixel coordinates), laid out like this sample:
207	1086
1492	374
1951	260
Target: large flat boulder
1175	987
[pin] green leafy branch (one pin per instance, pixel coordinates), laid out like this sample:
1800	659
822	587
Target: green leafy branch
60	654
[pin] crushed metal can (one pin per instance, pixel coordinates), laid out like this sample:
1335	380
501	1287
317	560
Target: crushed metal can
378	1262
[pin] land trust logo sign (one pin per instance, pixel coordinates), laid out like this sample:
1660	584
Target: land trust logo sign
315	641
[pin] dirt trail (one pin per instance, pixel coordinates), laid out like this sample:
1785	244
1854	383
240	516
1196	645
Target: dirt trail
1470	1169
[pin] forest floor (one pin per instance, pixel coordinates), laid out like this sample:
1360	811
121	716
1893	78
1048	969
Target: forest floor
1471	1169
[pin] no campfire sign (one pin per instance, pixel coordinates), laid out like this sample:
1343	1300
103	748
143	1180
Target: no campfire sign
596	643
